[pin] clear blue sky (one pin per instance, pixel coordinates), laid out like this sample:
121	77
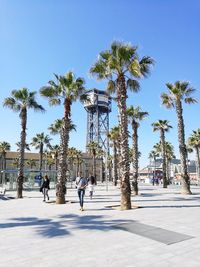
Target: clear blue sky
39	38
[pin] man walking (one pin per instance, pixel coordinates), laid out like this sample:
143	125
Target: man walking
81	184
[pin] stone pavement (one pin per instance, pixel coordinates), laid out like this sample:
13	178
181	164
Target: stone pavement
163	231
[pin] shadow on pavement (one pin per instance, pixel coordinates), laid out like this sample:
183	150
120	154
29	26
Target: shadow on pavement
64	225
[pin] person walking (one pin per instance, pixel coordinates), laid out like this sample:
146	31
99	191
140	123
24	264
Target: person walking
91	184
81	184
45	187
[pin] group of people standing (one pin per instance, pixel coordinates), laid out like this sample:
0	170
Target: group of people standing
81	185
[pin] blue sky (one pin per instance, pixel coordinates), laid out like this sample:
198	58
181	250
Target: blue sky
40	37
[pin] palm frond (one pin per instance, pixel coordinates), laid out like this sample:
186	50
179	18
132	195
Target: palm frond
134	68
105	54
133	85
111	86
99	70
54	101
11	103
190	100
48	91
167	101
145	64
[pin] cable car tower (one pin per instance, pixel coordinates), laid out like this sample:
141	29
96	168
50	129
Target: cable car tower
98	108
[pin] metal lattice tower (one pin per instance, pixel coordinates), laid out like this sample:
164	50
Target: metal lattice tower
98	108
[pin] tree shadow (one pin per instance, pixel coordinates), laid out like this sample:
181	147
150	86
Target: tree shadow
5	198
64	225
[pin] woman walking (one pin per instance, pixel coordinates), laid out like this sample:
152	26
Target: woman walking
81	184
45	187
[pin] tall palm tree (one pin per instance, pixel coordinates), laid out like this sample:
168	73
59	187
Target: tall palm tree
93	148
20	101
67	89
55	152
101	154
110	166
114	138
15	163
169	156
135	114
4	147
169	149
50	162
39	141
18	144
194	142
31	163
79	160
55	128
179	92
162	126
153	155
122	67
71	156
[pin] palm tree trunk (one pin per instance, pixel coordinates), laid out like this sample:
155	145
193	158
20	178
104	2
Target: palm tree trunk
125	165
198	164
162	138
185	187
4	160
62	168
41	157
115	163
94	166
20	177
56	162
167	170
135	157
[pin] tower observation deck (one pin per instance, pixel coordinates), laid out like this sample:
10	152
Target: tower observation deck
98	108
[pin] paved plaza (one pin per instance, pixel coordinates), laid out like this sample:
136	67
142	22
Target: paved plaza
162	230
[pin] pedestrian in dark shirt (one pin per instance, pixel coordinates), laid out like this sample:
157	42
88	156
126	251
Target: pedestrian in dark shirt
45	187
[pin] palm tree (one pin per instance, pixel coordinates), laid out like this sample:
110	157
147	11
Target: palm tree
162	126
79	160
20	101
153	155
50	162
194	142
169	156
55	152
19	145
31	163
169	149
55	128
93	148
114	137
135	114
39	141
179	92
71	156
110	166
122	66
4	147
15	163
101	154
67	89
